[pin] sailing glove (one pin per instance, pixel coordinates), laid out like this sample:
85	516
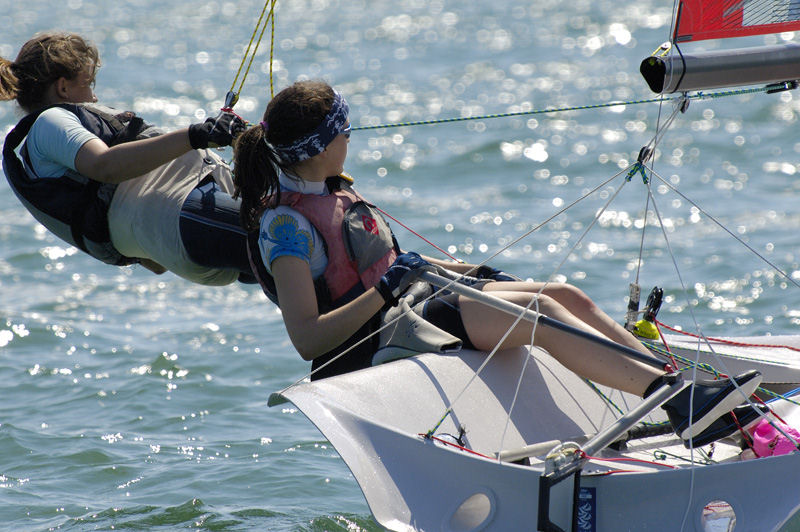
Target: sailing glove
217	131
401	274
487	272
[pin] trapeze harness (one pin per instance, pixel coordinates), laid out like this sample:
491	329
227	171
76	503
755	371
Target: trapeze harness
360	248
74	207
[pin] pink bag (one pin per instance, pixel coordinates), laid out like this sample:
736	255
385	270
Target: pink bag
767	441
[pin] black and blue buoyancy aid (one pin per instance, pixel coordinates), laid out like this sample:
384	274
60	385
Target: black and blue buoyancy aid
74	207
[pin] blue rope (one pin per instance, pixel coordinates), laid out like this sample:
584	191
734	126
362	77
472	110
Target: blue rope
638	168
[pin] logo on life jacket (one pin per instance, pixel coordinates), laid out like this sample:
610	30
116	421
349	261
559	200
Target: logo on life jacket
370	224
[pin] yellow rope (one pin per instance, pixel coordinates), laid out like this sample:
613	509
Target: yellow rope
272	49
663	49
234	92
247	51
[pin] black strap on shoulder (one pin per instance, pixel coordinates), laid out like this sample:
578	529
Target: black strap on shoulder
127	125
334	183
15	167
18	134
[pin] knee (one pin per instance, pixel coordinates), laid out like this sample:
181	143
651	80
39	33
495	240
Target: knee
572	297
537	302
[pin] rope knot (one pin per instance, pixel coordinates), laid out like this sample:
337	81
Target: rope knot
638	168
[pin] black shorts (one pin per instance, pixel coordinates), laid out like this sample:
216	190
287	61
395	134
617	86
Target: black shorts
444	312
211	231
358	356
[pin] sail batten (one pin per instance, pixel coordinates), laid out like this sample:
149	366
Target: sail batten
702	19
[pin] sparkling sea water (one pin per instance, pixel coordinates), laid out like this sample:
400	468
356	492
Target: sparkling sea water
137	401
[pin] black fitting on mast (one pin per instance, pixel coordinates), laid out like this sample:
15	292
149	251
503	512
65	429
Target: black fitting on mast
781	87
644	154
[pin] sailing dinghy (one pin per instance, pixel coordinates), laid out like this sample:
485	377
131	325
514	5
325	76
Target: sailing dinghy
527	444
373	418
465	442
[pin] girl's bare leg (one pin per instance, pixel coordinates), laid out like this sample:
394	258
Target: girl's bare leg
486	326
577	303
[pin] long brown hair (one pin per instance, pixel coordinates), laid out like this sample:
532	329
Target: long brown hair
41	62
294	112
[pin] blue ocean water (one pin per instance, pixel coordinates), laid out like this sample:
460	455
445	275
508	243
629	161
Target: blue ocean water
131	400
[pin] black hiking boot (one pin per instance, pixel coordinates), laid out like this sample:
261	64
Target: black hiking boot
727	425
711	400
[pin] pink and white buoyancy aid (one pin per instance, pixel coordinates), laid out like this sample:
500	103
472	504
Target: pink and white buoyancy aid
359	243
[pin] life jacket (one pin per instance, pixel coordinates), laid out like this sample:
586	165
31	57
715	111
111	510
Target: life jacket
360	248
74	207
358	242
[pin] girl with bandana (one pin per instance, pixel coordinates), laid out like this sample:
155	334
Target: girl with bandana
332	265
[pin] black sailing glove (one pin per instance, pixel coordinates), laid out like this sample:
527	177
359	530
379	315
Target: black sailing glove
401	274
487	272
217	131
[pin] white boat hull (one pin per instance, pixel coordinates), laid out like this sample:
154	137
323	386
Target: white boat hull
776	357
375	418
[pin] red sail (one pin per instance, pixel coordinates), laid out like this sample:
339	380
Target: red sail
718	19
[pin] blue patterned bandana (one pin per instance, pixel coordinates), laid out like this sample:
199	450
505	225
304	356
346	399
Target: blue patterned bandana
316	141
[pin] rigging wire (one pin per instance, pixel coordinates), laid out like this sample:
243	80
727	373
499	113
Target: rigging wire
572	249
534	299
685	291
489	356
772	265
660	130
645	157
530	355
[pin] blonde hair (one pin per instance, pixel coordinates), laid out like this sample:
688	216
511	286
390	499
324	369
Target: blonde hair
40	63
